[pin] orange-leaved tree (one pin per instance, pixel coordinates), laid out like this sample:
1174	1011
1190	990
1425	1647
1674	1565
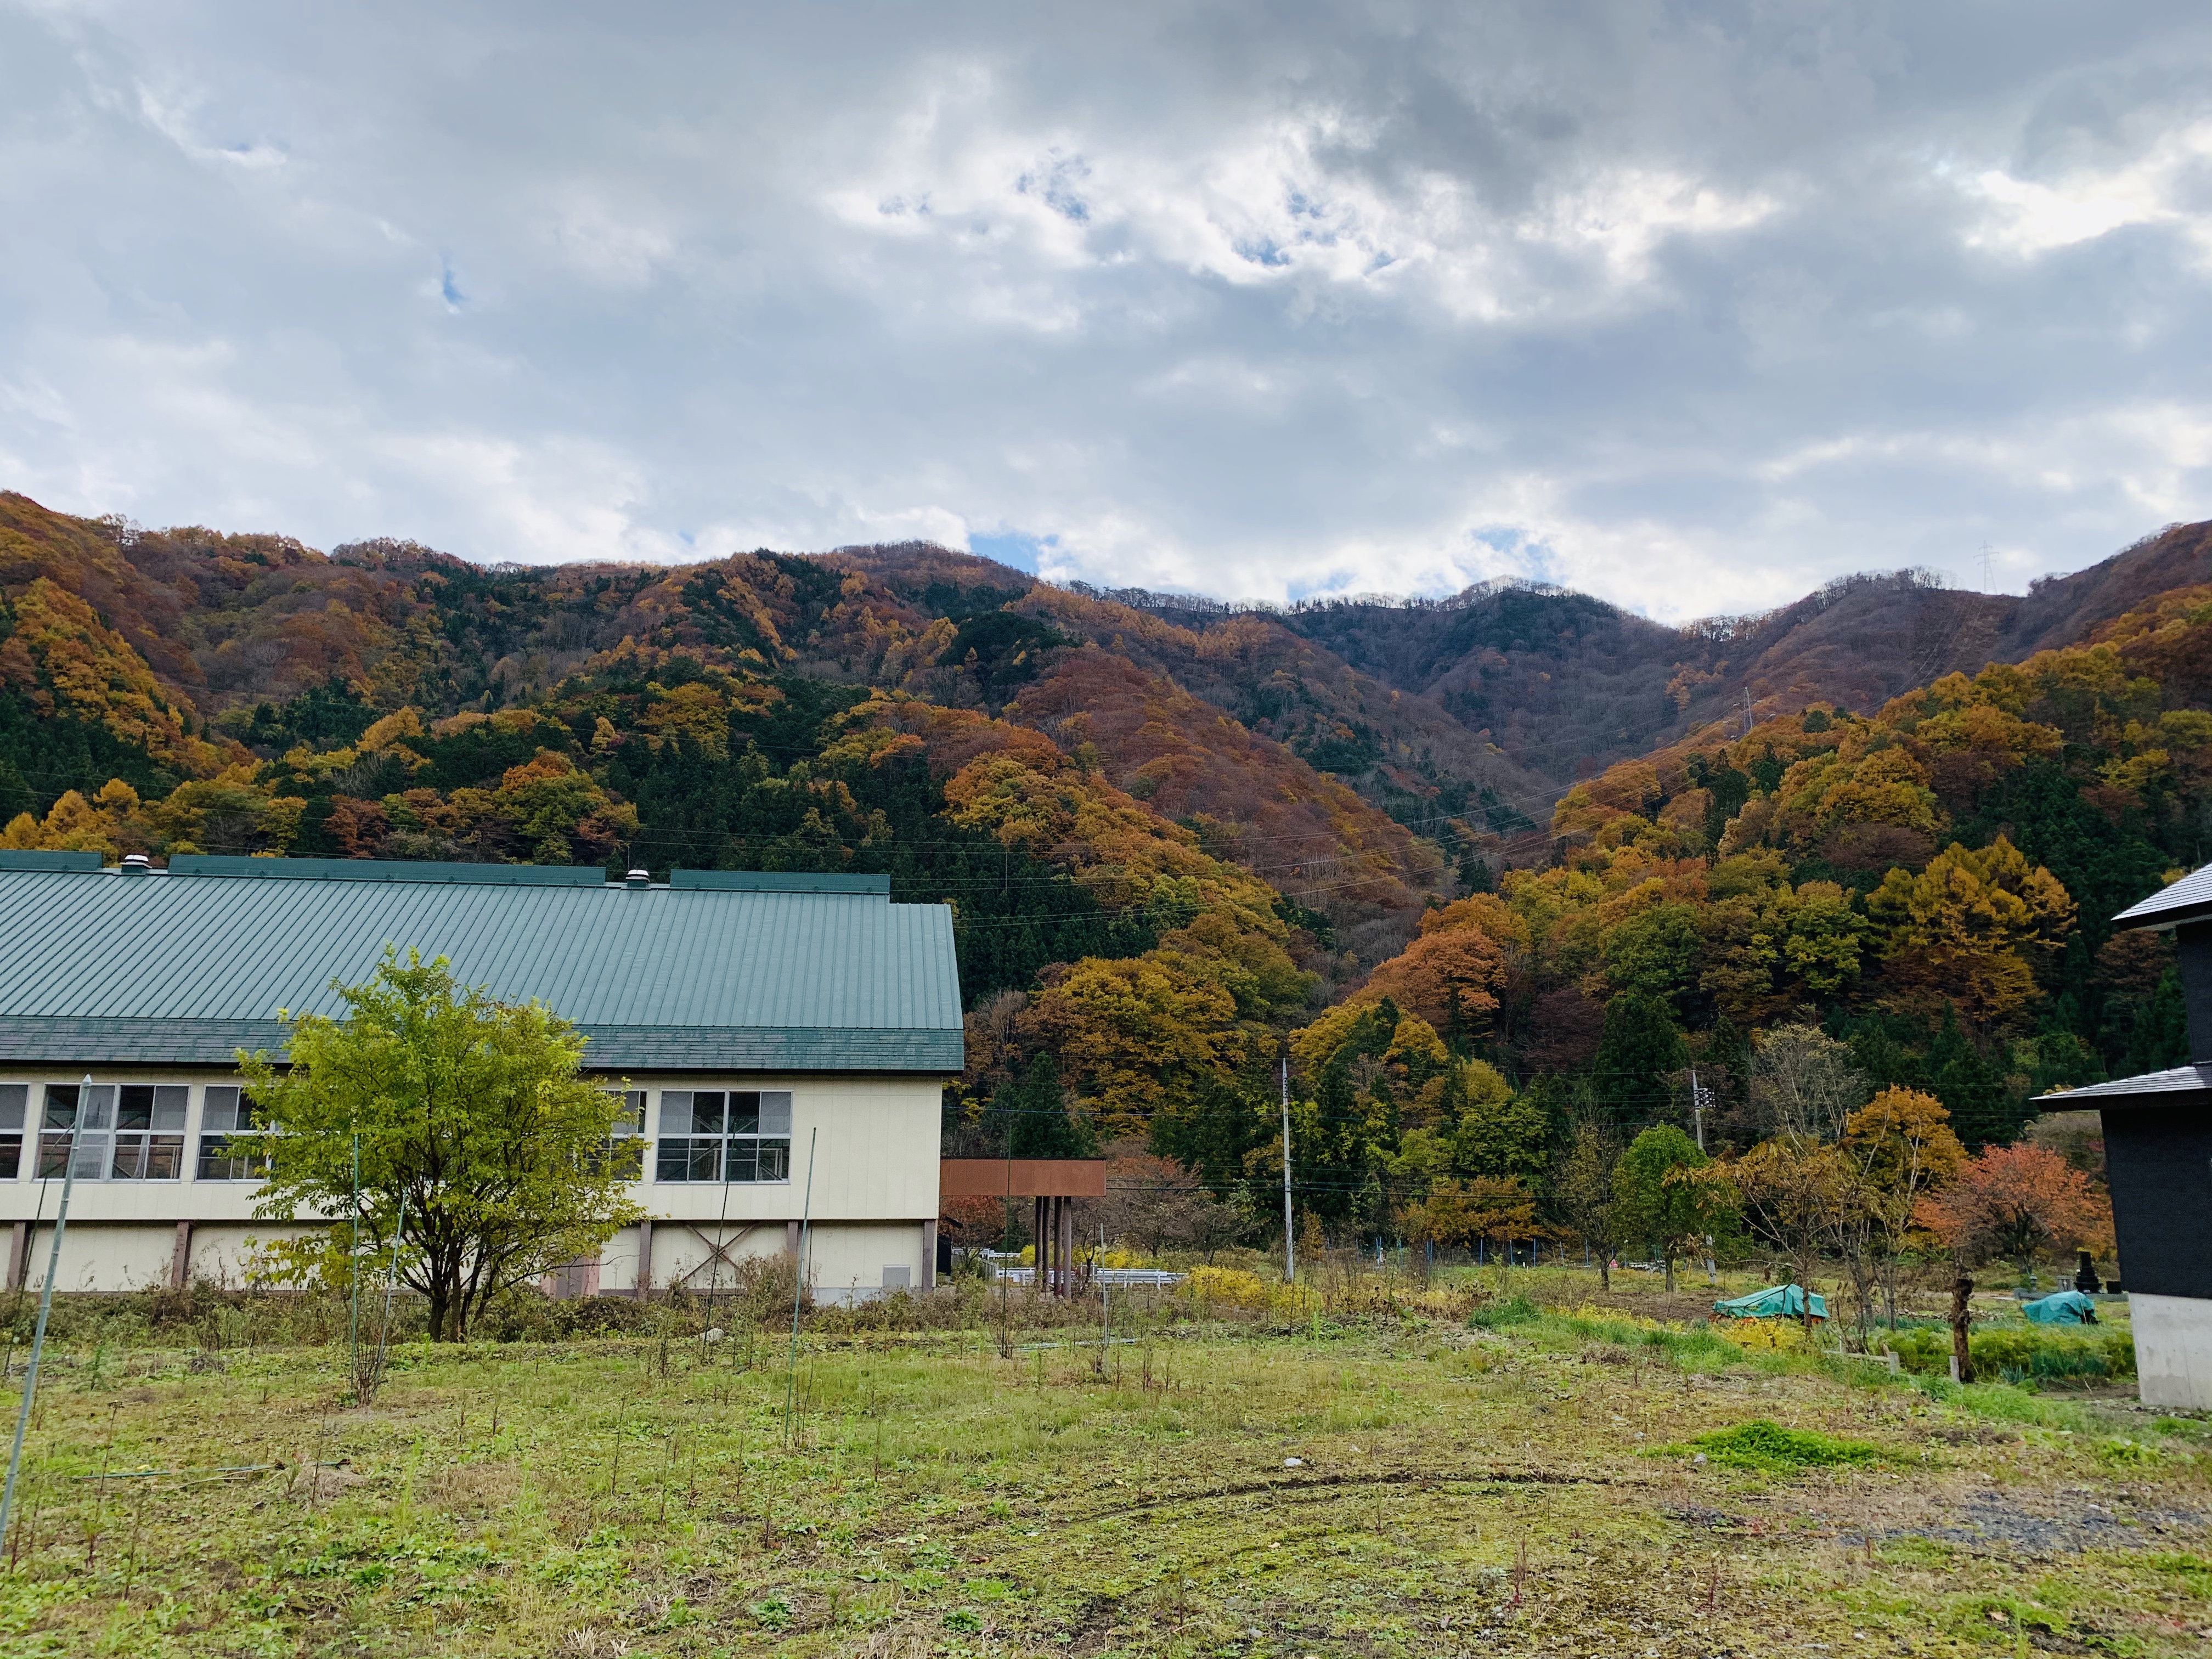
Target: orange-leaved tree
2017	1203
1499	1207
1902	1147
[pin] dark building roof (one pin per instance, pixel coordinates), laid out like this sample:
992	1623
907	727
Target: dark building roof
2188	899
2158	1088
722	971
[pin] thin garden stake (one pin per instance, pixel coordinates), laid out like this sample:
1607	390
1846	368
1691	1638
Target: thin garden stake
45	1303
798	1289
384	1332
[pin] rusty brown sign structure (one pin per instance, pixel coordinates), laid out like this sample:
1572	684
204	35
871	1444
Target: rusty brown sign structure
1052	1184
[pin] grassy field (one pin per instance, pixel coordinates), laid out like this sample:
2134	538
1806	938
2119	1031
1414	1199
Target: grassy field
1406	1482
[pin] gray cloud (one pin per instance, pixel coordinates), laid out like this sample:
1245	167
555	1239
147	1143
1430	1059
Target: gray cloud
1692	306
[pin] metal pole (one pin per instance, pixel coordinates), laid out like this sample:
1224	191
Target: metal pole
799	1286
1289	1232
46	1304
353	1274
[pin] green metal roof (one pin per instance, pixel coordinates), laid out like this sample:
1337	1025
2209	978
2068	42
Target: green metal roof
110	968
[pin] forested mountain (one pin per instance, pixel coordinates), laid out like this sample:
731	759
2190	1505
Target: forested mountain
1516	859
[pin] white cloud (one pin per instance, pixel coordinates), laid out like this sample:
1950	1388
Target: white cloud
1695	316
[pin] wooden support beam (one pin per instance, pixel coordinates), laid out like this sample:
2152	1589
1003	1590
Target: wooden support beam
180	1260
929	1255
19	1254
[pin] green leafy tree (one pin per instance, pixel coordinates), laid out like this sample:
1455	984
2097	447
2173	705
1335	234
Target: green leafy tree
1657	1200
1583	1192
481	1143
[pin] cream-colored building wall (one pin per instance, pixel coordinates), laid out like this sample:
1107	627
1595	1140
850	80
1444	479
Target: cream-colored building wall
870	1140
842	1257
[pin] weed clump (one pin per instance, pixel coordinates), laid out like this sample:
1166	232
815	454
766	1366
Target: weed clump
1768	1446
1514	1310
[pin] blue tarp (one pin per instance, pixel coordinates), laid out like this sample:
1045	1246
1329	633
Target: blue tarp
2067	1308
1775	1302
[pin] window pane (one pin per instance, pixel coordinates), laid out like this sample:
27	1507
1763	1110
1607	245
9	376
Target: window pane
129	1162
219	1106
250	1115
100	1107
91	1154
15	1101
744	1112
136	1111
675	1111
215	1157
775	1112
53	1156
630	1120
61	1106
11	1156
706	1111
169	1106
706	1160
165	1156
775	1160
674	1161
744	1164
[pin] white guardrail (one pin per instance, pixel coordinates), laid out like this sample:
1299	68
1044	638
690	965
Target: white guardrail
1157	1277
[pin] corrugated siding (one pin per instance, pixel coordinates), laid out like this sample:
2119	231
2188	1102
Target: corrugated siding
214	949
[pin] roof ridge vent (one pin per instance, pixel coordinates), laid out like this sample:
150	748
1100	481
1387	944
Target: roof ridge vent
136	864
638	880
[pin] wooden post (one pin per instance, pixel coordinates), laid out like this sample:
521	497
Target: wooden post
180	1262
19	1254
643	1289
1067	1246
791	1239
929	1255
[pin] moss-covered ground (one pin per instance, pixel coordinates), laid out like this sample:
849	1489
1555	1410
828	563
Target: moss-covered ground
1397	1484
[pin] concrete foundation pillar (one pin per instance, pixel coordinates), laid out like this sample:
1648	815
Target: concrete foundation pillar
929	1255
644	1290
2173	1350
180	1259
19	1254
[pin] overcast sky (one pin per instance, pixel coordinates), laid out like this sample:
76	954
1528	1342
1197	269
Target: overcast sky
1690	305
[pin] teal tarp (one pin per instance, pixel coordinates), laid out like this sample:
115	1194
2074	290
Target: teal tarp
2067	1308
1775	1302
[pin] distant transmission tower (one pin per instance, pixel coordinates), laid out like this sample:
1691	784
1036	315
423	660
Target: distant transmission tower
1988	560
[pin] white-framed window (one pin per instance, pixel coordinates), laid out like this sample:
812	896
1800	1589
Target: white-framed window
15	1107
232	1135
626	1139
149	1132
58	1121
715	1134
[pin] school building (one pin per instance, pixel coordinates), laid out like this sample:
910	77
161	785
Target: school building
745	1016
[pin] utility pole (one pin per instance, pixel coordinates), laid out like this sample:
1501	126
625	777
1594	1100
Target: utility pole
1290	1233
1697	1107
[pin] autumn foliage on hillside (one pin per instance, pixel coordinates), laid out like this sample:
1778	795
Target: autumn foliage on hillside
1170	901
